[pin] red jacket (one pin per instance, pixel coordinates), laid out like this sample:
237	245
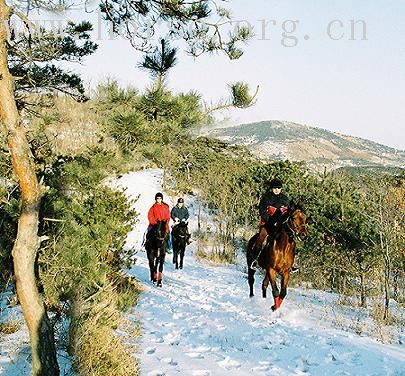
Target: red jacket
159	212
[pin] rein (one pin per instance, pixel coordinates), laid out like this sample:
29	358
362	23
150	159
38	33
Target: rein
288	223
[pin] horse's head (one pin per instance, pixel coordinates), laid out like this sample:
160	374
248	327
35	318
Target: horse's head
298	222
159	231
181	229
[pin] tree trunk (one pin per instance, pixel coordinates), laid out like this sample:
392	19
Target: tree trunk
199	214
387	262
27	243
387	274
363	289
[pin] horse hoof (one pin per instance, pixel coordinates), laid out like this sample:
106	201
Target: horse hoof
251	295
273	308
159	284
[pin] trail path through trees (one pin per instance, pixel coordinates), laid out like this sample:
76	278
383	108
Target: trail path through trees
202	321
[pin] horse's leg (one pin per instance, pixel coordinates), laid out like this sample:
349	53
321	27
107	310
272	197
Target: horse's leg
276	292
284	283
251	280
265	284
161	261
176	256
182	250
156	263
151	267
154	266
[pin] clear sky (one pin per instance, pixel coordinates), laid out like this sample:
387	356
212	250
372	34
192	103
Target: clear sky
323	79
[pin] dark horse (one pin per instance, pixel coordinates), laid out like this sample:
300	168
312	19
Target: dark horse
179	239
277	256
156	251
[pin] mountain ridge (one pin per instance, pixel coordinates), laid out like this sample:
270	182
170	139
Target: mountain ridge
319	148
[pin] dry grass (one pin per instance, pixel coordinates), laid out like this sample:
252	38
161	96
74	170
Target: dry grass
10	327
99	350
72	127
214	252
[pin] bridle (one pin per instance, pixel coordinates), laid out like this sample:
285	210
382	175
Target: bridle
295	230
160	238
178	235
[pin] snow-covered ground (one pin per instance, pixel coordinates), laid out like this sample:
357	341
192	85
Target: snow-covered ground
15	351
202	321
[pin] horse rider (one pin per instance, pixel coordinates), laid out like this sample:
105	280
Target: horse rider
180	214
273	205
159	211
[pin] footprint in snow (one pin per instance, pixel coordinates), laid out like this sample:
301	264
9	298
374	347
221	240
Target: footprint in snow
195	355
206	307
168	324
156	373
229	363
178	315
170	361
150	350
202	349
260	369
201	372
172	338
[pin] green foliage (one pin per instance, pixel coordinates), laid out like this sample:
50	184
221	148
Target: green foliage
109	95
240	95
160	61
191	21
156	117
128	129
88	225
241	34
31	55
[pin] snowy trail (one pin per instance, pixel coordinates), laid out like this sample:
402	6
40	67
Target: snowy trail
202	321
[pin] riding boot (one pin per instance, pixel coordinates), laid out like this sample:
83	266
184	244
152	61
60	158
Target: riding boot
257	248
255	253
169	243
295	268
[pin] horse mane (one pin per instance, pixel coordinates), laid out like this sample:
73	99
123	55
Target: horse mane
293	206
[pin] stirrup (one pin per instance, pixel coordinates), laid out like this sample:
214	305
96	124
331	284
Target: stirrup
254	264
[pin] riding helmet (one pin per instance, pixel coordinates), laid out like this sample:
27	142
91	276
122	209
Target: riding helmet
276	183
157	195
180	200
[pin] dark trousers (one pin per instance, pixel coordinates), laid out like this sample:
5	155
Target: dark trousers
260	239
263	233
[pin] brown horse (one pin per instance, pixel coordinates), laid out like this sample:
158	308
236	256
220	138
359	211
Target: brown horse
277	255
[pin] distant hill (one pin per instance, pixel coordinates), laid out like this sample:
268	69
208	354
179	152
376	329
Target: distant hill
319	148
